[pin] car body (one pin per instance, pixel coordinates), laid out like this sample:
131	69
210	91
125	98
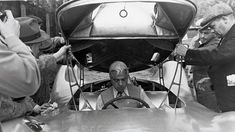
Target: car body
102	31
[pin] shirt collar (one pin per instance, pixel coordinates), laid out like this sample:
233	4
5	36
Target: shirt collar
115	92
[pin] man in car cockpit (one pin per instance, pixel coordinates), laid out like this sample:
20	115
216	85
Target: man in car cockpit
122	87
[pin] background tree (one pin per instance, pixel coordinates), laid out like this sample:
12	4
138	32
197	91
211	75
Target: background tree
42	7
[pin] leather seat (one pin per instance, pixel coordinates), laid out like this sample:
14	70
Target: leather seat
91	97
157	97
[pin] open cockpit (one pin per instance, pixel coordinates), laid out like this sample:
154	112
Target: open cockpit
158	94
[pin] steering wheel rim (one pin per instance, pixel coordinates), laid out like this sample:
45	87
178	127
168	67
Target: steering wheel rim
111	102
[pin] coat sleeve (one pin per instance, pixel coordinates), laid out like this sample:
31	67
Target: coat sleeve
19	72
10	109
212	55
48	70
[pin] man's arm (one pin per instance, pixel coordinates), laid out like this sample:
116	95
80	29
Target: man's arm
19	73
212	55
10	109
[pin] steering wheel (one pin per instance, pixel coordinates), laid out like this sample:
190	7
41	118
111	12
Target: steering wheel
111	102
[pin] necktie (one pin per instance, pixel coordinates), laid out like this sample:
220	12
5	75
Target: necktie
119	94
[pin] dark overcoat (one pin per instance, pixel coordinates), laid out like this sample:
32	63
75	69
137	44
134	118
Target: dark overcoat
221	62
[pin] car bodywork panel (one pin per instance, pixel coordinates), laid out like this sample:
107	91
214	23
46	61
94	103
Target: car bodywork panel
193	118
189	117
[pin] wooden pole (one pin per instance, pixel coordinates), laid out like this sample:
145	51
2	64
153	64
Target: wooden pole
48	23
22	9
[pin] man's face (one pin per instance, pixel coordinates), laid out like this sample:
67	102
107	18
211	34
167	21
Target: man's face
207	35
219	25
119	80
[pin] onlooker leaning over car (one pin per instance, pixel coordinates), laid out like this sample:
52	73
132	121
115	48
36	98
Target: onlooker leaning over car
220	59
42	48
200	80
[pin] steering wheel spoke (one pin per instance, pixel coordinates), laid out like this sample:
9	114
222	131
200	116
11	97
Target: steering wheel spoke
115	106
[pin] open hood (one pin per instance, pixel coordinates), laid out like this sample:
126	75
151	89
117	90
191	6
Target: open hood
103	31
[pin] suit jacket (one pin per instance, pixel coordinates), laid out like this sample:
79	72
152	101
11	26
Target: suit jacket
133	91
200	72
221	61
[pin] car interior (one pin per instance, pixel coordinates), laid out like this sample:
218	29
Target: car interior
155	91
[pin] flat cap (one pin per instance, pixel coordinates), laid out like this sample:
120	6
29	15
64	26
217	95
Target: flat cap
214	12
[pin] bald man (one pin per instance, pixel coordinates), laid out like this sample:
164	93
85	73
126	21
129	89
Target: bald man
119	77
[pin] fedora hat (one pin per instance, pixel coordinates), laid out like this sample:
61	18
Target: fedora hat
30	31
39	20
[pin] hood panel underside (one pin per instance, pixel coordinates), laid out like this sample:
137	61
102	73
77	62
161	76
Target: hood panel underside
136	54
103	31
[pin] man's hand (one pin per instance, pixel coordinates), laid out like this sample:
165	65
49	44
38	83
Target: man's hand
39	109
45	107
61	40
180	50
61	53
10	27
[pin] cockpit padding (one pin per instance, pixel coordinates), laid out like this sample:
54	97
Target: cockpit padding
156	97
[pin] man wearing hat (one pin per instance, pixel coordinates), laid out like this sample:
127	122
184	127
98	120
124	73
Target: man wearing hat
220	59
42	48
19	74
204	90
57	41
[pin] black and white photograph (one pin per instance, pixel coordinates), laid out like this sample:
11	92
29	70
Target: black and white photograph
117	65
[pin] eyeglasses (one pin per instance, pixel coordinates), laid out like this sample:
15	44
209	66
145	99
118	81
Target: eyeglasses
207	31
212	26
